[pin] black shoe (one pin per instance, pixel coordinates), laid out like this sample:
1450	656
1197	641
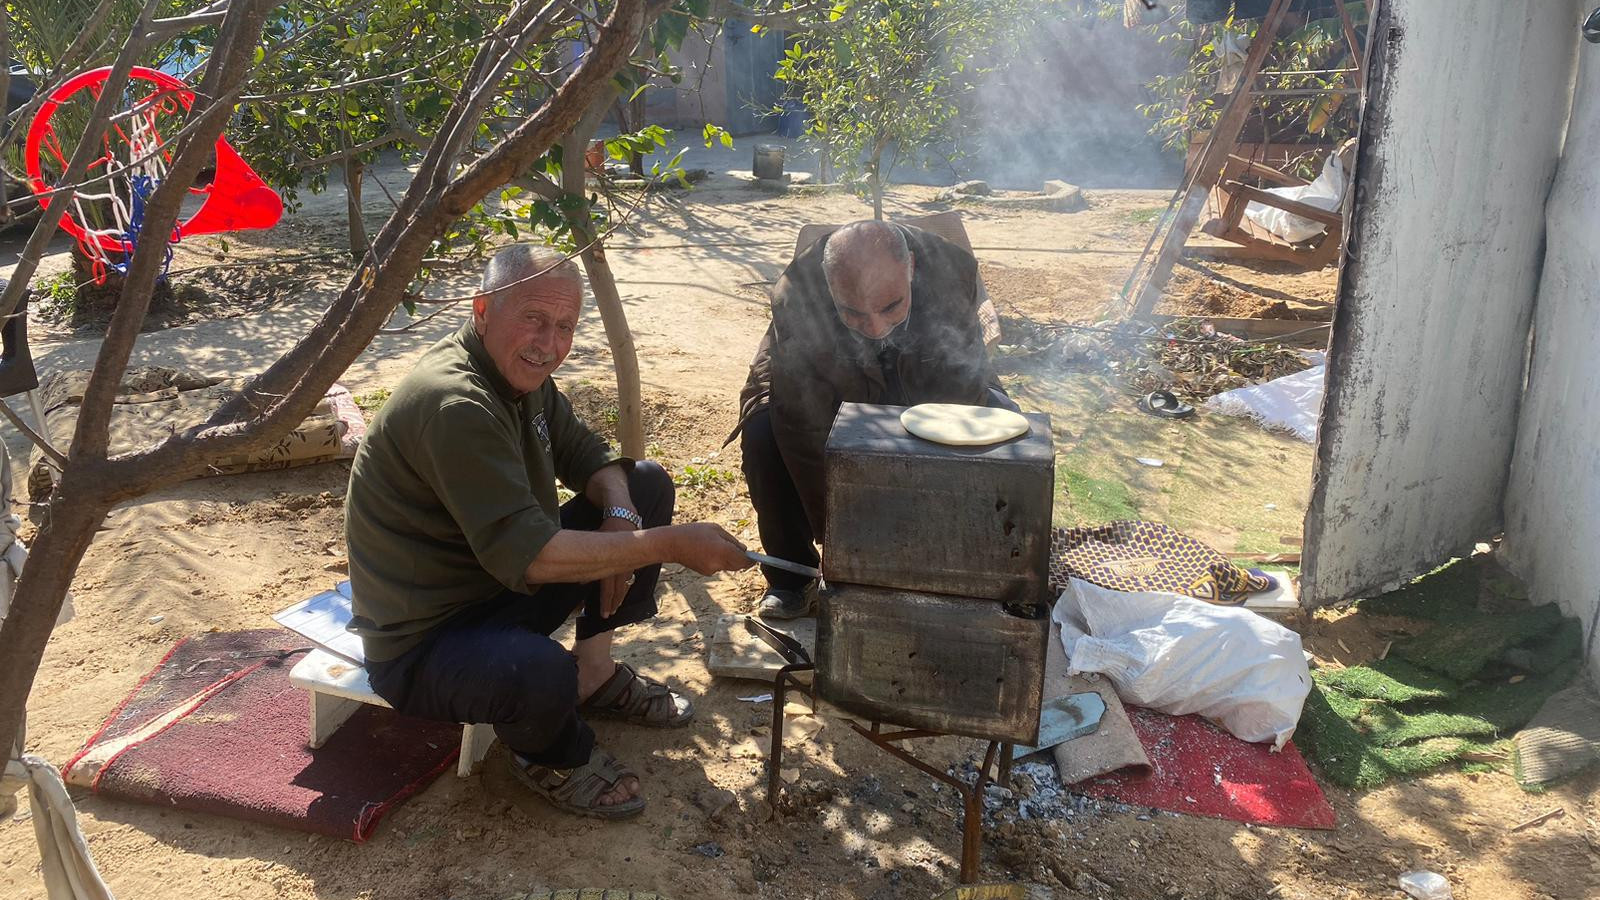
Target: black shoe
786	603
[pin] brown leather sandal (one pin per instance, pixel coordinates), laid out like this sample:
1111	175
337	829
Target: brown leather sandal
638	699
578	790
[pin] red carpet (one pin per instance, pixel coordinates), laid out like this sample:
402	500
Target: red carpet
1199	769
234	737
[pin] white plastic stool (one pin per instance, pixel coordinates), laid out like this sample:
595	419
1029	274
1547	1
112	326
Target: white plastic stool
338	687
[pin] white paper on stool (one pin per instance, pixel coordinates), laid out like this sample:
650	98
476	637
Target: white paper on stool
323	619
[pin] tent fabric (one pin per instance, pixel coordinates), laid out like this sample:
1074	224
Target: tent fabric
155	401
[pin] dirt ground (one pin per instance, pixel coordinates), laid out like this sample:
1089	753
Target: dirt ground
225	553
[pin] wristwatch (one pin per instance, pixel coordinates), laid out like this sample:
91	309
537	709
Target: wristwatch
623	513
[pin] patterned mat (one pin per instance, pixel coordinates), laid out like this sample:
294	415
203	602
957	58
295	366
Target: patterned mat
1146	556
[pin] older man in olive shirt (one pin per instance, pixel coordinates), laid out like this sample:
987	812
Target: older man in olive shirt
462	563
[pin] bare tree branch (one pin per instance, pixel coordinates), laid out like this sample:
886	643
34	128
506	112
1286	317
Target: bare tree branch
38	439
379	285
89	484
70	58
238	36
347	152
211	15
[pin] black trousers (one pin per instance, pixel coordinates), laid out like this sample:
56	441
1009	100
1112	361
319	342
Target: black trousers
496	663
780	518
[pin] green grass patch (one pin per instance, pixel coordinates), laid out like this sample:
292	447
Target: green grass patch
373	401
1461	647
1082	499
1445	593
1347	757
702	476
1442	693
1144	216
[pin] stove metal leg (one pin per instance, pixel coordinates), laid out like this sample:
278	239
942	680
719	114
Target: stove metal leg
780	690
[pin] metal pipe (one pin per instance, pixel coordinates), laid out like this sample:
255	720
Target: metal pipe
780	690
972	827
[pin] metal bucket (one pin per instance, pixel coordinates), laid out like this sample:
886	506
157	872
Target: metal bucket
768	162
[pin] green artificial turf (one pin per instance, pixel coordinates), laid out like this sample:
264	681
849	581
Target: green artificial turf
1442	693
1394	680
1461	646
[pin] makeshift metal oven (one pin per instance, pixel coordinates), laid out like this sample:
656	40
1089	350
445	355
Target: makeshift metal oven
936	564
903	512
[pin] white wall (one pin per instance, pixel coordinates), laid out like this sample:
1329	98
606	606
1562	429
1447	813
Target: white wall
1553	500
1461	144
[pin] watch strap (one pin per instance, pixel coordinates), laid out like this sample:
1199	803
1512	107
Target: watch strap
623	513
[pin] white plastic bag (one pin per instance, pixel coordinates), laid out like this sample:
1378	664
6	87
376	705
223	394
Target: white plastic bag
1292	403
1327	192
1181	655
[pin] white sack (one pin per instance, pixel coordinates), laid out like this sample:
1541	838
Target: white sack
1180	655
1327	193
1292	403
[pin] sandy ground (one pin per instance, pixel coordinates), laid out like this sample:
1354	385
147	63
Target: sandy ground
225	553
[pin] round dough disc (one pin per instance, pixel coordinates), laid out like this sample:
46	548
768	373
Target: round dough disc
963	426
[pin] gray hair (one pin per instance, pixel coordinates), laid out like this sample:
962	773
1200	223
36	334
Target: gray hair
852	244
520	263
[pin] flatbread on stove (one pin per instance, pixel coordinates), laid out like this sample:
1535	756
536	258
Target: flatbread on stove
963	426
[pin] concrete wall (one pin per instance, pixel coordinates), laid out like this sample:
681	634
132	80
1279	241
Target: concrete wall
1468	106
1553	501
703	94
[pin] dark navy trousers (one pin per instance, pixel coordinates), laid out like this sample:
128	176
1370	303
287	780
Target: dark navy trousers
496	662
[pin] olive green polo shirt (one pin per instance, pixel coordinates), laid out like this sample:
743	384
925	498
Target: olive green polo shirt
453	492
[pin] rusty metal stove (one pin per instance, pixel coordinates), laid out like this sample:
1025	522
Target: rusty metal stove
933	615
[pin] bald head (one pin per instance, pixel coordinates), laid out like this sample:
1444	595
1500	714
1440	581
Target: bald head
868	268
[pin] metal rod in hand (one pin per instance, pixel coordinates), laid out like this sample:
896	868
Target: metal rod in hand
783	564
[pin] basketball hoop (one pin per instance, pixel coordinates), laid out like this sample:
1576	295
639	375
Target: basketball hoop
134	163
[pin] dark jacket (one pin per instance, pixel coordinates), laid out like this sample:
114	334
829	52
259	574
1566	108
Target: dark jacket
809	362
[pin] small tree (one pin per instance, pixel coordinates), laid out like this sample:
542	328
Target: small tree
893	77
1188	102
356	84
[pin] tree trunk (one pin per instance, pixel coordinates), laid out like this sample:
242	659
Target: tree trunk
89	298
624	356
636	120
876	187
67	530
353	170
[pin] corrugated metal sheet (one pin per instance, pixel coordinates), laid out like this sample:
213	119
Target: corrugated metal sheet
1463	131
